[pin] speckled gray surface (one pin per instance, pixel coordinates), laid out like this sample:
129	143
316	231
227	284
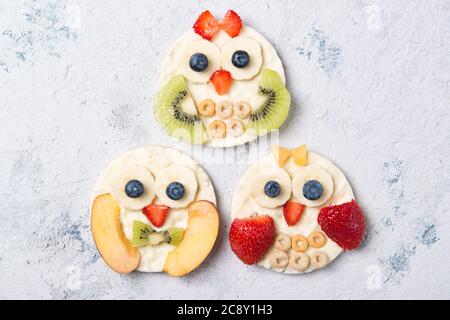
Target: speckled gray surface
371	90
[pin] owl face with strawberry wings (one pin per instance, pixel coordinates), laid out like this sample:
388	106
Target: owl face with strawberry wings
222	84
294	212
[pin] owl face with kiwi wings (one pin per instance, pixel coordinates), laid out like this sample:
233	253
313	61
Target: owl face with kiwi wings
223	84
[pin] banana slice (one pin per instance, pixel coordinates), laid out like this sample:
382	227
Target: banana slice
134	172
180	174
266	175
312	172
212	53
253	50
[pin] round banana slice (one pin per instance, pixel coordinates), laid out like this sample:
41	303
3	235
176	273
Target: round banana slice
310	173
270	175
252	48
212	53
182	175
134	172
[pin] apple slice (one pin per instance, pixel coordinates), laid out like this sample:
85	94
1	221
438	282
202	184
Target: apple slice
112	244
198	240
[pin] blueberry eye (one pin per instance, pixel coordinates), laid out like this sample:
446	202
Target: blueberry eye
198	62
312	190
134	188
240	59
175	191
272	189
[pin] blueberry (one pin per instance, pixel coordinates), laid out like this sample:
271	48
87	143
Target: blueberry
272	189
198	62
312	190
175	191
240	59
134	188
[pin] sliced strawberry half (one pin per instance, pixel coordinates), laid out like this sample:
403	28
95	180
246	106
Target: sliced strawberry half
156	214
250	238
221	80
344	224
206	25
231	23
292	212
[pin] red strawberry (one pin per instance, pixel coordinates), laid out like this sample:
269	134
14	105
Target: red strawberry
206	25
156	214
221	79
344	224
231	23
250	238
292	212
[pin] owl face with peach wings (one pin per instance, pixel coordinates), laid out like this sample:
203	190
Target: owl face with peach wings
223	84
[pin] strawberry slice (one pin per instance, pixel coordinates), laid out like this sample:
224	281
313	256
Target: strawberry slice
231	23
206	25
292	212
250	238
344	224
222	80
156	214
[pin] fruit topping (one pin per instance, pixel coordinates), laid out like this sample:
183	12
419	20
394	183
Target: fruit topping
292	212
299	261
317	239
231	23
283	242
175	190
156	214
265	175
240	59
312	190
176	186
206	25
172	108
299	243
224	109
281	155
144	235
237	127
207	108
312	186
242	109
300	155
217	129
279	259
198	62
319	259
275	108
272	189
134	188
343	223
250	238
221	80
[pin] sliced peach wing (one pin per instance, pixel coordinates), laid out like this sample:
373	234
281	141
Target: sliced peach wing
112	244
198	240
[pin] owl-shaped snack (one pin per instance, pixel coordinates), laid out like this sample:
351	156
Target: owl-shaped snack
153	209
222	84
294	212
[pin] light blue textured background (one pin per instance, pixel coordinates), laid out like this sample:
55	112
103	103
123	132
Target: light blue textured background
370	82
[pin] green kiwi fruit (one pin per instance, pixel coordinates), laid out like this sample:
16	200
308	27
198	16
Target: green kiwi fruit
275	107
143	235
180	123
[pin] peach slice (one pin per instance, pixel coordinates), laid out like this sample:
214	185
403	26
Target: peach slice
281	155
198	240
112	244
300	155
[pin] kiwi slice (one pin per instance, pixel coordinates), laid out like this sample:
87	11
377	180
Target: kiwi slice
175	110
275	107
144	235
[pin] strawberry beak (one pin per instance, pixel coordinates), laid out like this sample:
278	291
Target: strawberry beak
221	80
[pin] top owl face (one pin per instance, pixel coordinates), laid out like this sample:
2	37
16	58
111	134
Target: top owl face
223	84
